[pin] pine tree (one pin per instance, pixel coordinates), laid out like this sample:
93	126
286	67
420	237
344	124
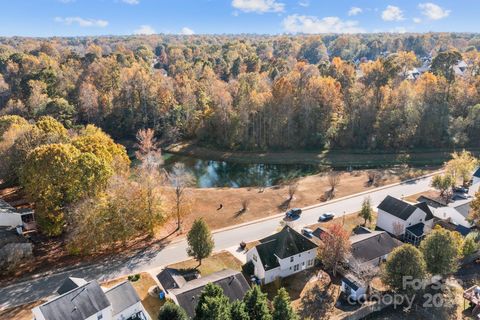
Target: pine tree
256	304
171	311
366	212
200	241
238	311
282	310
212	304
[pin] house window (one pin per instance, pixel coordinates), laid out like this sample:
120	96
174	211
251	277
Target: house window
291	259
303	263
254	257
296	267
99	316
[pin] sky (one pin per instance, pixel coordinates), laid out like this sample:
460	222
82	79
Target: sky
45	18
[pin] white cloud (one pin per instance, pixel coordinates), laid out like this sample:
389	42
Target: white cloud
433	11
82	22
259	6
309	24
187	31
392	13
354	11
417	20
131	1
304	3
144	29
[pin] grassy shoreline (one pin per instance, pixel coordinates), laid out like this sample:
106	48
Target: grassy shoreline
341	159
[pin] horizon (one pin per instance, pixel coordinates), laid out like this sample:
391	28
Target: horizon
97	18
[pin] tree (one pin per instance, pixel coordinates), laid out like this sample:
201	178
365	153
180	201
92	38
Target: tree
444	62
212	304
335	247
238	311
469	245
6	122
404	261
200	241
441	250
282	309
256	304
366	212
333	181
56	176
443	184
461	166
180	179
474	215
172	311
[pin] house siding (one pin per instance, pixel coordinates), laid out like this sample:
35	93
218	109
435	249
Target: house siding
386	220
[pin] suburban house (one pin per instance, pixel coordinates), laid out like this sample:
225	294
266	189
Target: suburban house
282	254
369	249
475	181
186	293
89	301
456	213
404	220
10	217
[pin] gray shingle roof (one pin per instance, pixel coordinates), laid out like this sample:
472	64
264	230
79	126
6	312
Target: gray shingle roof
283	244
372	246
78	304
6	208
397	208
171	279
122	296
70	283
232	282
424	207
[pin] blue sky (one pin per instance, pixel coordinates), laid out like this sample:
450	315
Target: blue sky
120	17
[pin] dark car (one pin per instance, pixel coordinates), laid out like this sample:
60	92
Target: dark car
295	212
326	216
460	189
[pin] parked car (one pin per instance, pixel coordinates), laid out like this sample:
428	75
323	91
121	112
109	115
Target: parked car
460	189
326	216
307	232
293	213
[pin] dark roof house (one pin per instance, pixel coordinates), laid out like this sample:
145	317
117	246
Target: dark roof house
397	207
370	247
477	173
70	283
233	284
281	245
171	279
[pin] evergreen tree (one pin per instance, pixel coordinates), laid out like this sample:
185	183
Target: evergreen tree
200	241
366	211
282	310
238	311
256	304
212	304
171	311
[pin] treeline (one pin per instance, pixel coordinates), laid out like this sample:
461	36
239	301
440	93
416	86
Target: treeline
253	92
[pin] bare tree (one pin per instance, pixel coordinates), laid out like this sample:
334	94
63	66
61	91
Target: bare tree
397	229
333	181
372	177
180	179
365	272
292	189
245	204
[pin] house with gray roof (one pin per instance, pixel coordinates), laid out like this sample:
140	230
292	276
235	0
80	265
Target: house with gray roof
281	255
186	293
89	301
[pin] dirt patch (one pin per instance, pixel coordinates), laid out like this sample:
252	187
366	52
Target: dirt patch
217	262
23	312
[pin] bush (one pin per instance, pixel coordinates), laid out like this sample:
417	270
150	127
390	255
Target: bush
133	278
248	268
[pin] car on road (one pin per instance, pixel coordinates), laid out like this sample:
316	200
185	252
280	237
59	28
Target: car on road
326	216
460	189
293	213
307	232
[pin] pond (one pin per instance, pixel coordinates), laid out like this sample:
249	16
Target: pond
211	174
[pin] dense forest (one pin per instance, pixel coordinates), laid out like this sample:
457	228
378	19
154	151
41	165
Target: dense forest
250	92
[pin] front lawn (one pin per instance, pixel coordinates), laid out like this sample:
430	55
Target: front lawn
217	262
349	222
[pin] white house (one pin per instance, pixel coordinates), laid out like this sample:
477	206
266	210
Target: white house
10	217
369	249
90	302
282	254
411	222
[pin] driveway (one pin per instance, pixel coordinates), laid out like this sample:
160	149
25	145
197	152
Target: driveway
156	255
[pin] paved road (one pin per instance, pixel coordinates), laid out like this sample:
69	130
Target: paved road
156	256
